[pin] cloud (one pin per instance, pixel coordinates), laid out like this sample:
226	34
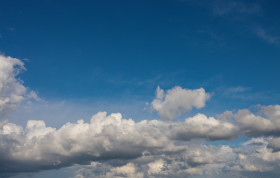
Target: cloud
111	146
267	36
177	101
222	8
12	90
229	7
37	147
258	125
274	143
255	158
199	160
200	126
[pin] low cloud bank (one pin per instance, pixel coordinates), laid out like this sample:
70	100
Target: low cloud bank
104	138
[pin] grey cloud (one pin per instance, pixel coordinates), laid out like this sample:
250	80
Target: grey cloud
257	157
274	143
199	160
257	124
212	161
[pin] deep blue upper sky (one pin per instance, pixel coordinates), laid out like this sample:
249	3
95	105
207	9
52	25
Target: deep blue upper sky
124	49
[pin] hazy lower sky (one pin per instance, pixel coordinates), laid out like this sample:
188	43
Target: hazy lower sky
180	88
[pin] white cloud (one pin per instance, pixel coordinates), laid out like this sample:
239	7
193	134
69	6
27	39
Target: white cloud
12	90
118	147
104	138
156	167
200	126
177	101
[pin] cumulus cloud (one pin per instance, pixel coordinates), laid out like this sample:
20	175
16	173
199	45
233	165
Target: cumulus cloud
254	158
266	122
12	90
199	160
177	101
200	126
111	146
106	137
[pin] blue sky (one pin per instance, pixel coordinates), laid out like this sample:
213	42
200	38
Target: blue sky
115	49
82	57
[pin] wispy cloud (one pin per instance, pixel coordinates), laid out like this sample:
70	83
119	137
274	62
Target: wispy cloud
229	7
11	29
267	36
222	8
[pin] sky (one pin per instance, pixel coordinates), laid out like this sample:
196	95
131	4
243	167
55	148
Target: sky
131	88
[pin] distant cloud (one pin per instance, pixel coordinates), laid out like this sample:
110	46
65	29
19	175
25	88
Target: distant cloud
234	90
177	101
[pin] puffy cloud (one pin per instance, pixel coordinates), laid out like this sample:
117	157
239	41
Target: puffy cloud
12	90
104	138
177	101
254	158
125	148
200	126
267	122
198	160
129	170
156	167
110	146
257	157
